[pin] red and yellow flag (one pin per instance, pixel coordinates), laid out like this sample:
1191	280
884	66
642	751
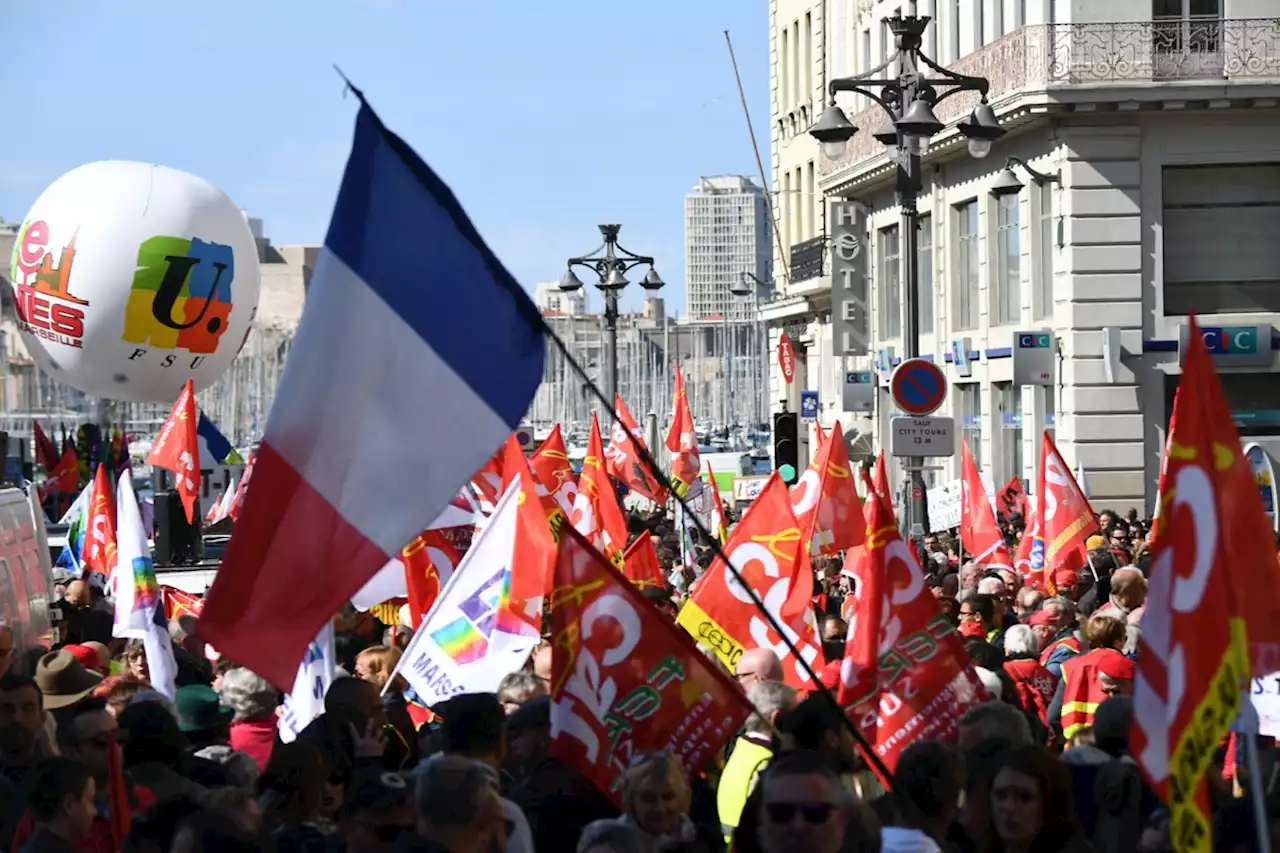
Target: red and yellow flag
682	439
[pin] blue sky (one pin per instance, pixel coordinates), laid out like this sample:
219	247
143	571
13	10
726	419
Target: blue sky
545	117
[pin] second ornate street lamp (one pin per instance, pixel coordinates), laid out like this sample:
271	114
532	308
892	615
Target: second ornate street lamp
611	263
908	101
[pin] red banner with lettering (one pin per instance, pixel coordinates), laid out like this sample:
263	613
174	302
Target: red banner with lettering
100	538
906	676
176	450
596	513
1066	520
553	471
625	462
768	550
979	530
624	680
825	501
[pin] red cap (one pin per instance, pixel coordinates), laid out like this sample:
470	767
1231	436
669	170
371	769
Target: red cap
1117	666
88	657
1066	577
1042	617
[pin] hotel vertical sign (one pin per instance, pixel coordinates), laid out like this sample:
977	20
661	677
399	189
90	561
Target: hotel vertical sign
850	314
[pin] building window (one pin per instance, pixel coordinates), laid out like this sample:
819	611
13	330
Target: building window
954	26
784	66
1220	249
969	401
1008	259
810	202
924	263
890	290
967	281
1050	402
1042	303
807	58
1010	407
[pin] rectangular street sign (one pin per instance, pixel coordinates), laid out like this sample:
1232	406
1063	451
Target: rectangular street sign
932	436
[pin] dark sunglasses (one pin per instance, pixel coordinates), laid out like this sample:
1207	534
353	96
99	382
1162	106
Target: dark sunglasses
814	813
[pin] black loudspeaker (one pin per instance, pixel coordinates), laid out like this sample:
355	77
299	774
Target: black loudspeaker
177	542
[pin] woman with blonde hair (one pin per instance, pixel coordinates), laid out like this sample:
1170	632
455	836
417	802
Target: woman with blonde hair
376	665
656	798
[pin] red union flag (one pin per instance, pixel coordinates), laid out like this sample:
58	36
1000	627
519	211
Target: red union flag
979	530
100	541
1213	614
625	462
624	680
176	449
825	500
906	675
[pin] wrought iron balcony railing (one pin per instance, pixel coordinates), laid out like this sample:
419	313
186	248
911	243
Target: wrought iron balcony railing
1090	56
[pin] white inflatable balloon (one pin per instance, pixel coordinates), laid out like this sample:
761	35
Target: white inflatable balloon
130	278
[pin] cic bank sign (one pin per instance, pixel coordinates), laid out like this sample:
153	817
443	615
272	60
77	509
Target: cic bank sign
1232	346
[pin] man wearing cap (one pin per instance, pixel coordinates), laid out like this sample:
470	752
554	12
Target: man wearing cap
377	810
1066	641
1090	679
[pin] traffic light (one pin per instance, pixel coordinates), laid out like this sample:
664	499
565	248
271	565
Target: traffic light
786	446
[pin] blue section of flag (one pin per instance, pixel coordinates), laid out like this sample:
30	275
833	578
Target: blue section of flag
219	447
400	229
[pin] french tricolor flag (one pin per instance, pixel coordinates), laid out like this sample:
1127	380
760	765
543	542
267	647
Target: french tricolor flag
417	355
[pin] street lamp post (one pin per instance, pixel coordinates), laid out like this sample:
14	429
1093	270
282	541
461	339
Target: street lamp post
909	99
747	286
611	263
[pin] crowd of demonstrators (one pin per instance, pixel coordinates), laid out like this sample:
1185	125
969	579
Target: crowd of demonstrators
1043	767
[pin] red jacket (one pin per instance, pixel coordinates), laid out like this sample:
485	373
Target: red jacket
1036	685
255	737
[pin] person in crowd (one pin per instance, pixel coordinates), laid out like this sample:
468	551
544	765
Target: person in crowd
377	810
289	795
475	728
157	753
978	618
134	661
993	721
22	718
202	718
62	802
1031	808
614	836
757	665
833	633
928	786
240	806
1067	641
804	806
253	701
656	798
459	809
1034	684
541	662
1090	678
118	691
1128	593
517	688
188	652
376	665
352	727
1027	602
752	751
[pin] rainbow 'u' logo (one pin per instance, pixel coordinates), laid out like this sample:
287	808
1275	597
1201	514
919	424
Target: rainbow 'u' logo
181	294
466	638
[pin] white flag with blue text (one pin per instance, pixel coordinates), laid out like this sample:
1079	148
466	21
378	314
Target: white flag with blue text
305	701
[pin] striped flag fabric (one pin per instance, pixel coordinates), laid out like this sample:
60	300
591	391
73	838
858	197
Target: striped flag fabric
411	324
139	605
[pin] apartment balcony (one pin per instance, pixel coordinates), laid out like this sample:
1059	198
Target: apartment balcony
1059	64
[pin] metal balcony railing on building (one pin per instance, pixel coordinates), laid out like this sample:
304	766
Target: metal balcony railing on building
808	259
1097	56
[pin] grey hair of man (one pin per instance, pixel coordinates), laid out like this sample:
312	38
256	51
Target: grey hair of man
518	687
248	694
965	594
449	793
991	586
1065	606
769	698
994	720
616	836
181	627
1020	640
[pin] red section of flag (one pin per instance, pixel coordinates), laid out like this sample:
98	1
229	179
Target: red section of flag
1212	596
46	452
100	538
261	611
906	675
121	816
768	549
64	477
553	471
180	603
539	525
825	501
596	514
625	461
1012	498
428	561
176	450
640	563
242	488
979	530
624	680
488	480
1064	516
682	439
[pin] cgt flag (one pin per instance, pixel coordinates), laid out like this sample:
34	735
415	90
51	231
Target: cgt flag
339	492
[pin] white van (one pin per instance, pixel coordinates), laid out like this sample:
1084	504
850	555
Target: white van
26	572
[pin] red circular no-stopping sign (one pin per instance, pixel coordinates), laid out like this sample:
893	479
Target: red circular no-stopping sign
919	387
